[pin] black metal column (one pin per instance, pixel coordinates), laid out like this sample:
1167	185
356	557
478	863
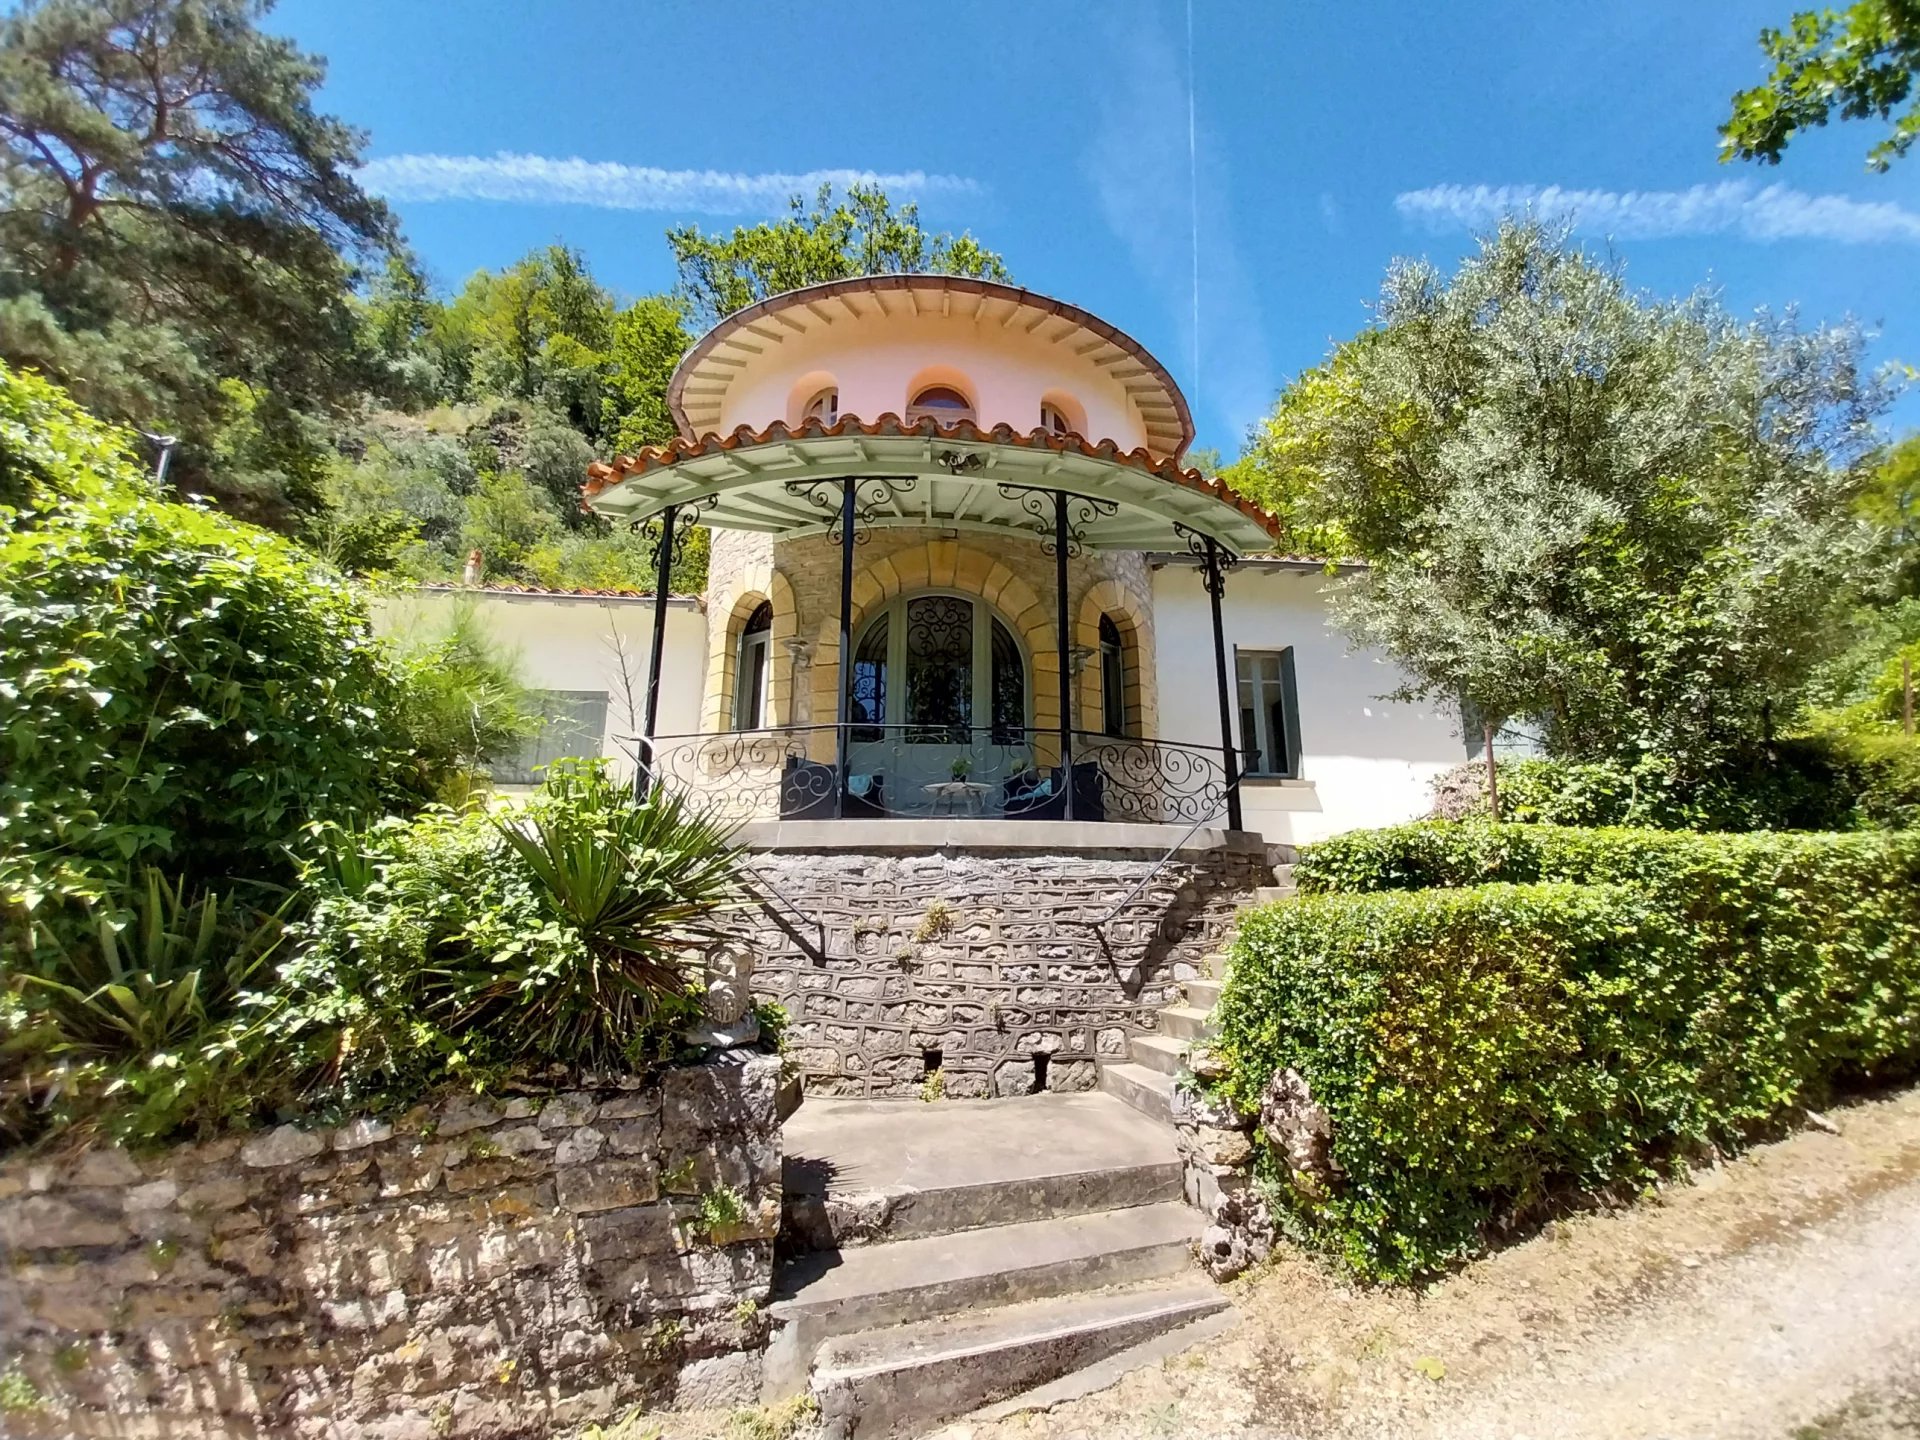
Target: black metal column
1060	537
1216	583
662	588
842	710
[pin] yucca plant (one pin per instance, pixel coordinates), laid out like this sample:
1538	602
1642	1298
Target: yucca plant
148	977
118	1021
639	886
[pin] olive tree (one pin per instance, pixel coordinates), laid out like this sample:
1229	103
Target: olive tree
1629	519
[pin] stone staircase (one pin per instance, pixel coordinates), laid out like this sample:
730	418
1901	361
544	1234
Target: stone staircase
974	1251
1145	1079
1023	1251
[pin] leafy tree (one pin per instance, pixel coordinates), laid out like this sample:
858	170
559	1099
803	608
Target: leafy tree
178	214
1632	519
648	341
861	235
1859	63
1891	500
506	517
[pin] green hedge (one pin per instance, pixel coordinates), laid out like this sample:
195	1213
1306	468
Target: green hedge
1481	1048
1442	853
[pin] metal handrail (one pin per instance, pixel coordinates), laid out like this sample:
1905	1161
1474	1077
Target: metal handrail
1166	859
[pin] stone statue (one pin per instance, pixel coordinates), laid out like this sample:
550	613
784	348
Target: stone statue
726	1010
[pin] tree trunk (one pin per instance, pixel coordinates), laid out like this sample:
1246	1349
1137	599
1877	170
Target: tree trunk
1493	780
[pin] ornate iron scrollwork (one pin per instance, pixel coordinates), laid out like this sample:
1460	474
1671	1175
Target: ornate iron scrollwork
1082	510
1215	558
920	769
686	515
870	493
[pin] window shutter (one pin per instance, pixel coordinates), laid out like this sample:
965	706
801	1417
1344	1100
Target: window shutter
1290	699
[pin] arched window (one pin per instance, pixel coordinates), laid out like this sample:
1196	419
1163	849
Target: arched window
939	402
750	670
1113	678
1053	419
824	407
958	664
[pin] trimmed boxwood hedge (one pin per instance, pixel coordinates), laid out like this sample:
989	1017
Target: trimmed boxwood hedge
1482	1047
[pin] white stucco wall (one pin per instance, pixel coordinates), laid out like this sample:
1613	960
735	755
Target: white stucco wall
1364	761
573	642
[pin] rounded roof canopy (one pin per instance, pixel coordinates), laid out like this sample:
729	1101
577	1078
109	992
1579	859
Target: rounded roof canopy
790	479
699	389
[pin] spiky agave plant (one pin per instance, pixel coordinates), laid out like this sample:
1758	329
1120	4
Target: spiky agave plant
152	976
641	886
124	1014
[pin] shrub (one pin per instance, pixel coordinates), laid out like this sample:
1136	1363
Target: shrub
117	1021
53	453
1482	1048
1435	853
470	948
460	706
1807	783
177	689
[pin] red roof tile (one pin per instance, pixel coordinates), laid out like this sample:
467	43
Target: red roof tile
602	475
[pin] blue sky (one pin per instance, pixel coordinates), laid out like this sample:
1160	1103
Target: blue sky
1330	139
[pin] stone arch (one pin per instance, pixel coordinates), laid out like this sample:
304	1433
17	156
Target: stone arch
941	564
1132	616
756	583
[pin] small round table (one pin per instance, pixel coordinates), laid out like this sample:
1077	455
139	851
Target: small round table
951	792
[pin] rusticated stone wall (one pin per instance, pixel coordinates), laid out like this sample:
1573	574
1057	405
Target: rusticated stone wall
984	956
471	1268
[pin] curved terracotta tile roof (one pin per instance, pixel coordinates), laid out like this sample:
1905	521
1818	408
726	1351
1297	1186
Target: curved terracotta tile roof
512	587
603	475
1175	422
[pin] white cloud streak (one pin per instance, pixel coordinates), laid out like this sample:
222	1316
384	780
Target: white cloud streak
608	185
1136	160
1734	207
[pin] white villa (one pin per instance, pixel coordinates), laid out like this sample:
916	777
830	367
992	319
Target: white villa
1013	709
957	416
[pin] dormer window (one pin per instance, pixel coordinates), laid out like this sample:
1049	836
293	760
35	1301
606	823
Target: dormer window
1052	420
824	407
939	402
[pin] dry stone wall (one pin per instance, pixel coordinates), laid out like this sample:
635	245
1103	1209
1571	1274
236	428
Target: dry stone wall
985	957
476	1267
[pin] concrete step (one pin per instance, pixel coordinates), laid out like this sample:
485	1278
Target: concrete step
860	1171
898	1381
1202	994
1079	1384
1148	1091
1283	874
1160	1052
1216	965
1187	1022
1267	894
823	1294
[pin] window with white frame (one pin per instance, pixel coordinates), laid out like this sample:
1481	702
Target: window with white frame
824	407
1269	713
750	670
573	725
1053	419
939	402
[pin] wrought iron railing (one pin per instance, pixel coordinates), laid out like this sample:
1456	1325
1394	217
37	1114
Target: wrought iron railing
921	771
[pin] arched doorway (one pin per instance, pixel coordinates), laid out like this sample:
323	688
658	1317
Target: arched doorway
939	698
